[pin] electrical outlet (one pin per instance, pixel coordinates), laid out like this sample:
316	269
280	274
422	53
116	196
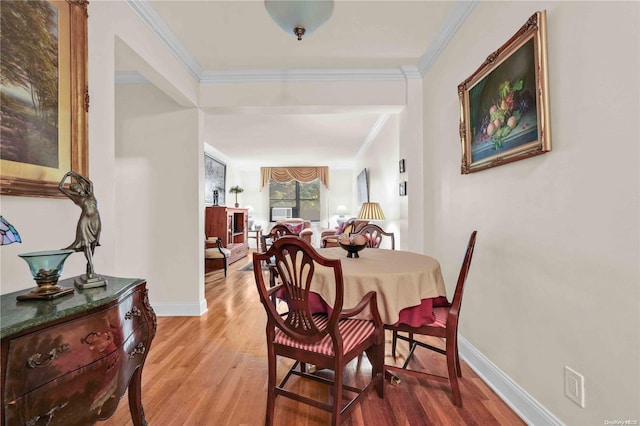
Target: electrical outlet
574	386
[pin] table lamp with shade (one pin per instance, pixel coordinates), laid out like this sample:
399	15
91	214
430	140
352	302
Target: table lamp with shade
371	211
251	220
341	211
8	234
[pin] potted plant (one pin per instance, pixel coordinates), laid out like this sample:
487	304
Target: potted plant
236	190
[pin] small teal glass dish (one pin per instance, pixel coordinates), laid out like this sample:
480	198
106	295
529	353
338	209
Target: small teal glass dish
46	267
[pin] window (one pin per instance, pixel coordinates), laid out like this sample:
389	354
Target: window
303	198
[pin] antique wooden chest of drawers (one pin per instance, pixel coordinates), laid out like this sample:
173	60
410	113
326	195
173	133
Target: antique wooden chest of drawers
69	361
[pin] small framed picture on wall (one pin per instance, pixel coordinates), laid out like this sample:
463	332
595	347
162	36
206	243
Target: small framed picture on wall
215	176
403	188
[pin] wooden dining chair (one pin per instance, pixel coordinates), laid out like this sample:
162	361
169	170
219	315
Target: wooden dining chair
276	232
327	341
214	252
445	326
374	235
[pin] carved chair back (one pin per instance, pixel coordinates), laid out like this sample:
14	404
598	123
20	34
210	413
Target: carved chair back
374	235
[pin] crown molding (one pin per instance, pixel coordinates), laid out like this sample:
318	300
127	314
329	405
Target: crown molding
411	72
452	23
373	133
150	17
319	75
454	20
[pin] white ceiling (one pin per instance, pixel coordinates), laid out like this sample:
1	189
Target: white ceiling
240	35
222	38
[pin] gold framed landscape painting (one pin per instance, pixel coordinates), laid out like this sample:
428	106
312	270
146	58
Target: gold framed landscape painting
504	105
43	89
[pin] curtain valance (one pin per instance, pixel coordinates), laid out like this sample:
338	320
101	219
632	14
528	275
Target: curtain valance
300	174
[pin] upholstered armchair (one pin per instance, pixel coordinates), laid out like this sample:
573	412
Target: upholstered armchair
300	227
329	237
213	251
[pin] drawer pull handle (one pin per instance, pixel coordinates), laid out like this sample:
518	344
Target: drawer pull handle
139	349
34	361
134	312
49	415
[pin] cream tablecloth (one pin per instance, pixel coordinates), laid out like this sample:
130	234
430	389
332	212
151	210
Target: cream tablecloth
401	279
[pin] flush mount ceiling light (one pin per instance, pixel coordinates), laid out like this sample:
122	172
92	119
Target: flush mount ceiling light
299	17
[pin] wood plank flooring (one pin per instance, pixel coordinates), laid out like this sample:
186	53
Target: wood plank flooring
212	370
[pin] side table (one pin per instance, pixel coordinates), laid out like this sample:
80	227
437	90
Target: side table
69	361
256	233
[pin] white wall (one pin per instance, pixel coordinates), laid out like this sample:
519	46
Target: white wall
115	32
313	96
45	224
50	223
381	161
555	278
157	157
342	191
411	215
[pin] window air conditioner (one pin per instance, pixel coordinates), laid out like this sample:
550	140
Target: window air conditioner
280	213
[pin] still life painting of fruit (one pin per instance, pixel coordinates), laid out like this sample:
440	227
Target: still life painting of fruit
503	113
504	104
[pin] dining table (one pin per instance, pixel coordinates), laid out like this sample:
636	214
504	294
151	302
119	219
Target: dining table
408	285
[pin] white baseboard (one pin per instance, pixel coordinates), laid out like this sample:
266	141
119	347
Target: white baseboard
179	309
529	410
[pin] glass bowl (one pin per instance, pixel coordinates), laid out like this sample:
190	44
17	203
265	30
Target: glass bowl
46	267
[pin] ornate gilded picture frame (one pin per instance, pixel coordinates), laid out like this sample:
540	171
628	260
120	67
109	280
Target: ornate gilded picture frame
45	99
504	105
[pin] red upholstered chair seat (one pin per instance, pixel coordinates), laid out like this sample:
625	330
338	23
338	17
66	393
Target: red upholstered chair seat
441	317
353	331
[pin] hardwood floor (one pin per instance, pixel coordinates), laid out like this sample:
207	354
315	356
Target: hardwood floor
212	370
